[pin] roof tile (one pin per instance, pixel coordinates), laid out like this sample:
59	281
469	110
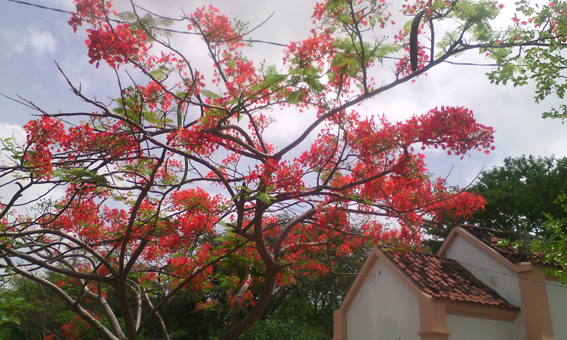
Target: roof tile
445	278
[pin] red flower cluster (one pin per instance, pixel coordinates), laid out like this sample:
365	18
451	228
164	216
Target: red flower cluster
115	45
48	135
215	27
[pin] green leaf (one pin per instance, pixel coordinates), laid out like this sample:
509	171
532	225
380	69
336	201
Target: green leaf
273	78
264	198
151	118
384	49
503	242
158	74
209	94
294	97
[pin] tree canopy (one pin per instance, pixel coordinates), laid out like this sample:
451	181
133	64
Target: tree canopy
177	185
519	193
519	196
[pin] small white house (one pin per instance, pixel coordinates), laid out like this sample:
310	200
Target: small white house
473	289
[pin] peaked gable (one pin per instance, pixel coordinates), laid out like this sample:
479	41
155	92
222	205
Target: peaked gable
376	255
435	276
493	237
478	244
488	240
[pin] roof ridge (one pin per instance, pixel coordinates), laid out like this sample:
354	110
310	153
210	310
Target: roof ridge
444	258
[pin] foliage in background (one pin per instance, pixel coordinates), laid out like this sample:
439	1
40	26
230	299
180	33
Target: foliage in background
519	195
29	310
554	245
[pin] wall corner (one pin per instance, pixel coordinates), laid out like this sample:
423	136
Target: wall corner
339	325
433	319
535	303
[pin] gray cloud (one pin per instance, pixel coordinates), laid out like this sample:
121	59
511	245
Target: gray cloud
27	40
511	111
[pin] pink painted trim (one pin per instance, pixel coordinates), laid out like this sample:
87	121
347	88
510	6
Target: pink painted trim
432	318
535	304
480	312
434	335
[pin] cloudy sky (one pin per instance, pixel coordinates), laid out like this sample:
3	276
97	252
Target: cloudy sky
32	39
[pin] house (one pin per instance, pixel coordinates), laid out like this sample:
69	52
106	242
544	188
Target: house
472	289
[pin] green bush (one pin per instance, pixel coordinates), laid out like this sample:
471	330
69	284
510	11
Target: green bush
275	328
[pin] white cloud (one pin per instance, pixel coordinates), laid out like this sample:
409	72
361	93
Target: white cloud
511	111
7	191
11	130
27	40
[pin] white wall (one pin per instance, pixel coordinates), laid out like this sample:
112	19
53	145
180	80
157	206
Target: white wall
465	328
494	274
384	308
557	296
486	268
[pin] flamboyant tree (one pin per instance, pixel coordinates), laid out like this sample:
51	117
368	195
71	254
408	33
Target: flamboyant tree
138	221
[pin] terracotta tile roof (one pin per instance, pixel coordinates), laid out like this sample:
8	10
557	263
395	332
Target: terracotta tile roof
491	237
445	278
